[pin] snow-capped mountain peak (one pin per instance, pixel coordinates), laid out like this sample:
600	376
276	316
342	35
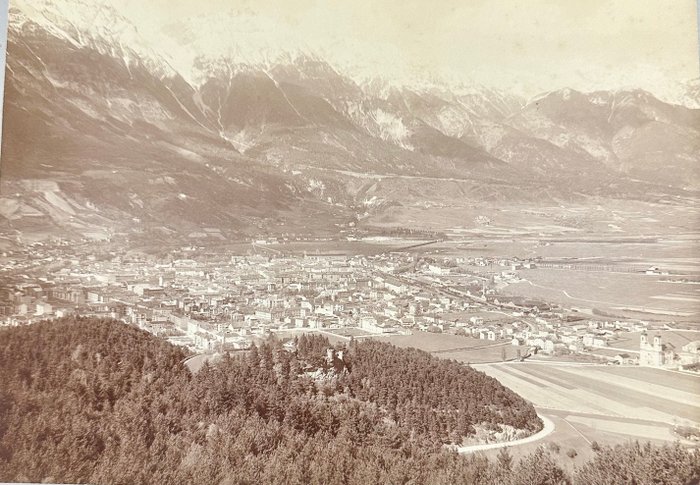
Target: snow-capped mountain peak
97	25
240	39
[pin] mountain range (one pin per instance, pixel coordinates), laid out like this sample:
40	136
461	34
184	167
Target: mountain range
104	136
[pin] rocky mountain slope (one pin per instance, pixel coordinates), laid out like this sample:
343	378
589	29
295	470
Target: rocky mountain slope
102	135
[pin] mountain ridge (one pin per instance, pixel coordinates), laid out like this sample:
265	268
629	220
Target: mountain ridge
255	145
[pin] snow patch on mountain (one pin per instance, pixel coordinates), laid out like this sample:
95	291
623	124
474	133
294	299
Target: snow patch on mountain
453	122
243	140
392	128
583	142
491	134
316	186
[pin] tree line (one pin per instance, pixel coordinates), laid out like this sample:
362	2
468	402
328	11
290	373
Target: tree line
96	401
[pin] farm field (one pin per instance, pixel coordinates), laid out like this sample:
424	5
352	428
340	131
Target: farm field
605	404
347	248
609	291
463	349
434	342
677	380
485	354
594	389
674	252
578	432
348	332
332	247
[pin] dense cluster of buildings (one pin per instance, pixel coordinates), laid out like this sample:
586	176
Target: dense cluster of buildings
211	302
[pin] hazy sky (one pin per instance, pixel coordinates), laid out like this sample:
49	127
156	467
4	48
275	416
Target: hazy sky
538	44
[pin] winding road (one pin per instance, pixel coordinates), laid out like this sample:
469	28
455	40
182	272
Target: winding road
547	429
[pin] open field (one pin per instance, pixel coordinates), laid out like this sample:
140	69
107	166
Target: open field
613	218
606	404
434	342
333	247
346	248
485	354
680	381
463	349
674	252
349	332
578	432
596	389
607	291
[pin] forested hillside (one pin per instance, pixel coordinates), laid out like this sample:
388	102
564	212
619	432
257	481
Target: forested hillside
412	384
86	400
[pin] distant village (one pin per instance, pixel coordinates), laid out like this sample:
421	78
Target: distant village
209	302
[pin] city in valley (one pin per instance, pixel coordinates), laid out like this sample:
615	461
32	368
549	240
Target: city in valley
292	242
599	370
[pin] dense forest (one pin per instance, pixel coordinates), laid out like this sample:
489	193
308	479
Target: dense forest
86	400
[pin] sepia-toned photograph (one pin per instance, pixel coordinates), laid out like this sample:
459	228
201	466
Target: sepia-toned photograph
334	242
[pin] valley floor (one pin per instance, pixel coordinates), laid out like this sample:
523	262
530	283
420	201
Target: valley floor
604	404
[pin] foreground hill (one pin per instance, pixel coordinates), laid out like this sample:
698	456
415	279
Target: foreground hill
95	401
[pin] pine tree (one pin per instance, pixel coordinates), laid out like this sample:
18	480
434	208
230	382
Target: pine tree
505	460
